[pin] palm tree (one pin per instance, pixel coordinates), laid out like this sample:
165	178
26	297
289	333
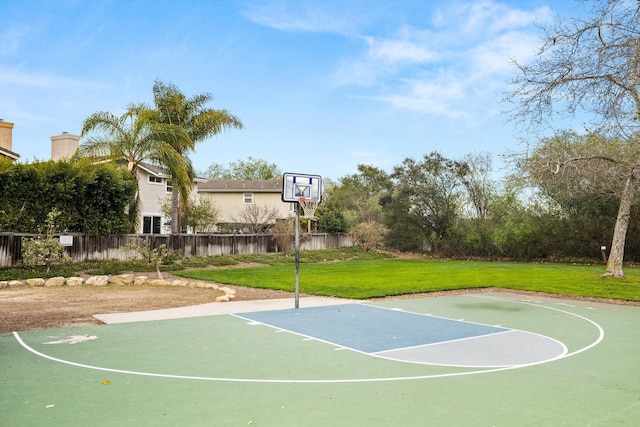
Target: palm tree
199	123
134	137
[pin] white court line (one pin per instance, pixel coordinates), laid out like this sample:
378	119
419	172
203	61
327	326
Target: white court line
335	381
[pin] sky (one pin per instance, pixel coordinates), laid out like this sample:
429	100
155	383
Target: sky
320	86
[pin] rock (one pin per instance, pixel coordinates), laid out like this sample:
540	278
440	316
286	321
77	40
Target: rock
35	282
4	284
56	281
159	282
228	291
14	283
122	280
179	282
75	281
203	285
97	281
140	280
223	298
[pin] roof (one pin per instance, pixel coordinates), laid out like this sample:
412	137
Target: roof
235	186
162	172
8	153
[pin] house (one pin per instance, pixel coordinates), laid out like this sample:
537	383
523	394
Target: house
6	140
231	197
154	184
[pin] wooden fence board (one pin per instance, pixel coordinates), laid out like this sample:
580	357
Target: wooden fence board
86	247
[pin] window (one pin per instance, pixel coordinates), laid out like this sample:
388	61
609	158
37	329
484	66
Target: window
169	186
151	224
248	198
156	179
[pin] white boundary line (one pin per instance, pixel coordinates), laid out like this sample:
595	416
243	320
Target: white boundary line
328	381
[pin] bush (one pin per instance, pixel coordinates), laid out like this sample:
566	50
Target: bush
45	250
368	235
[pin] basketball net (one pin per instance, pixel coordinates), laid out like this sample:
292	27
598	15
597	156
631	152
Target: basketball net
309	207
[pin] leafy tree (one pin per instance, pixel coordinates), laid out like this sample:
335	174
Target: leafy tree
198	123
585	192
590	64
134	137
201	217
426	199
355	199
250	169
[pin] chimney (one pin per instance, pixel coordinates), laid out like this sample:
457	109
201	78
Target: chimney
64	146
6	138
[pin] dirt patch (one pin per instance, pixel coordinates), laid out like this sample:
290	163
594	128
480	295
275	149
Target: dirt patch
26	308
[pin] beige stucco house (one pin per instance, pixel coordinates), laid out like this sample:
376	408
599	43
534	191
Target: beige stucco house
230	197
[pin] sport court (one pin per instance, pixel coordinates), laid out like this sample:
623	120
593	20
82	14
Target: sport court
473	359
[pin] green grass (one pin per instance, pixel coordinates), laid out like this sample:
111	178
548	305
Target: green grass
360	279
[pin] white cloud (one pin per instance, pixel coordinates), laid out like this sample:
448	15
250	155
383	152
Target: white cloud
433	98
450	68
298	16
394	51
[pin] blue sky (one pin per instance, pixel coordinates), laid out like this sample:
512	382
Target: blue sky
321	86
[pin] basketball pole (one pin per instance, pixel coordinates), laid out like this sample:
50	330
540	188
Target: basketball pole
297	256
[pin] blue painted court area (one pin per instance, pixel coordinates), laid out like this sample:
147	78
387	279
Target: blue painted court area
370	329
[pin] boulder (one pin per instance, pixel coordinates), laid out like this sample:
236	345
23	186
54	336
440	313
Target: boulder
56	281
228	291
35	282
179	282
223	298
4	284
159	282
97	281
140	280
122	280
75	281
203	285
14	283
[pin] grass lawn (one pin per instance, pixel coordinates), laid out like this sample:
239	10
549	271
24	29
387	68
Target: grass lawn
360	279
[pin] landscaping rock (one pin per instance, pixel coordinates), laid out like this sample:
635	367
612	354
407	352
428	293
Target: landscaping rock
75	281
228	291
140	280
97	281
35	282
159	282
56	281
4	284
14	283
203	285
122	280
179	282
223	298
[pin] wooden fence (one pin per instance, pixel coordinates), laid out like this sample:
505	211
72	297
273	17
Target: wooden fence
85	247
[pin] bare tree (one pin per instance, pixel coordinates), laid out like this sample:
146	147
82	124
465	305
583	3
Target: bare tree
255	218
590	65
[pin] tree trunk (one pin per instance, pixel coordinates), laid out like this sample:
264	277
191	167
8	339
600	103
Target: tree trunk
175	210
616	257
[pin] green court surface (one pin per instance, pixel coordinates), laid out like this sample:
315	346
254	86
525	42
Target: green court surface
231	370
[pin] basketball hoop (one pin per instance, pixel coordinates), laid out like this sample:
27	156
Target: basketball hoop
309	207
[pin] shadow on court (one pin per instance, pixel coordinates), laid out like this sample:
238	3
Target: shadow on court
464	360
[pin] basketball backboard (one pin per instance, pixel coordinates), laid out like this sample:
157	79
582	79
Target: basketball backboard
297	186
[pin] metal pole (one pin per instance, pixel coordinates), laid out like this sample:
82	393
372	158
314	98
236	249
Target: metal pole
297	256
